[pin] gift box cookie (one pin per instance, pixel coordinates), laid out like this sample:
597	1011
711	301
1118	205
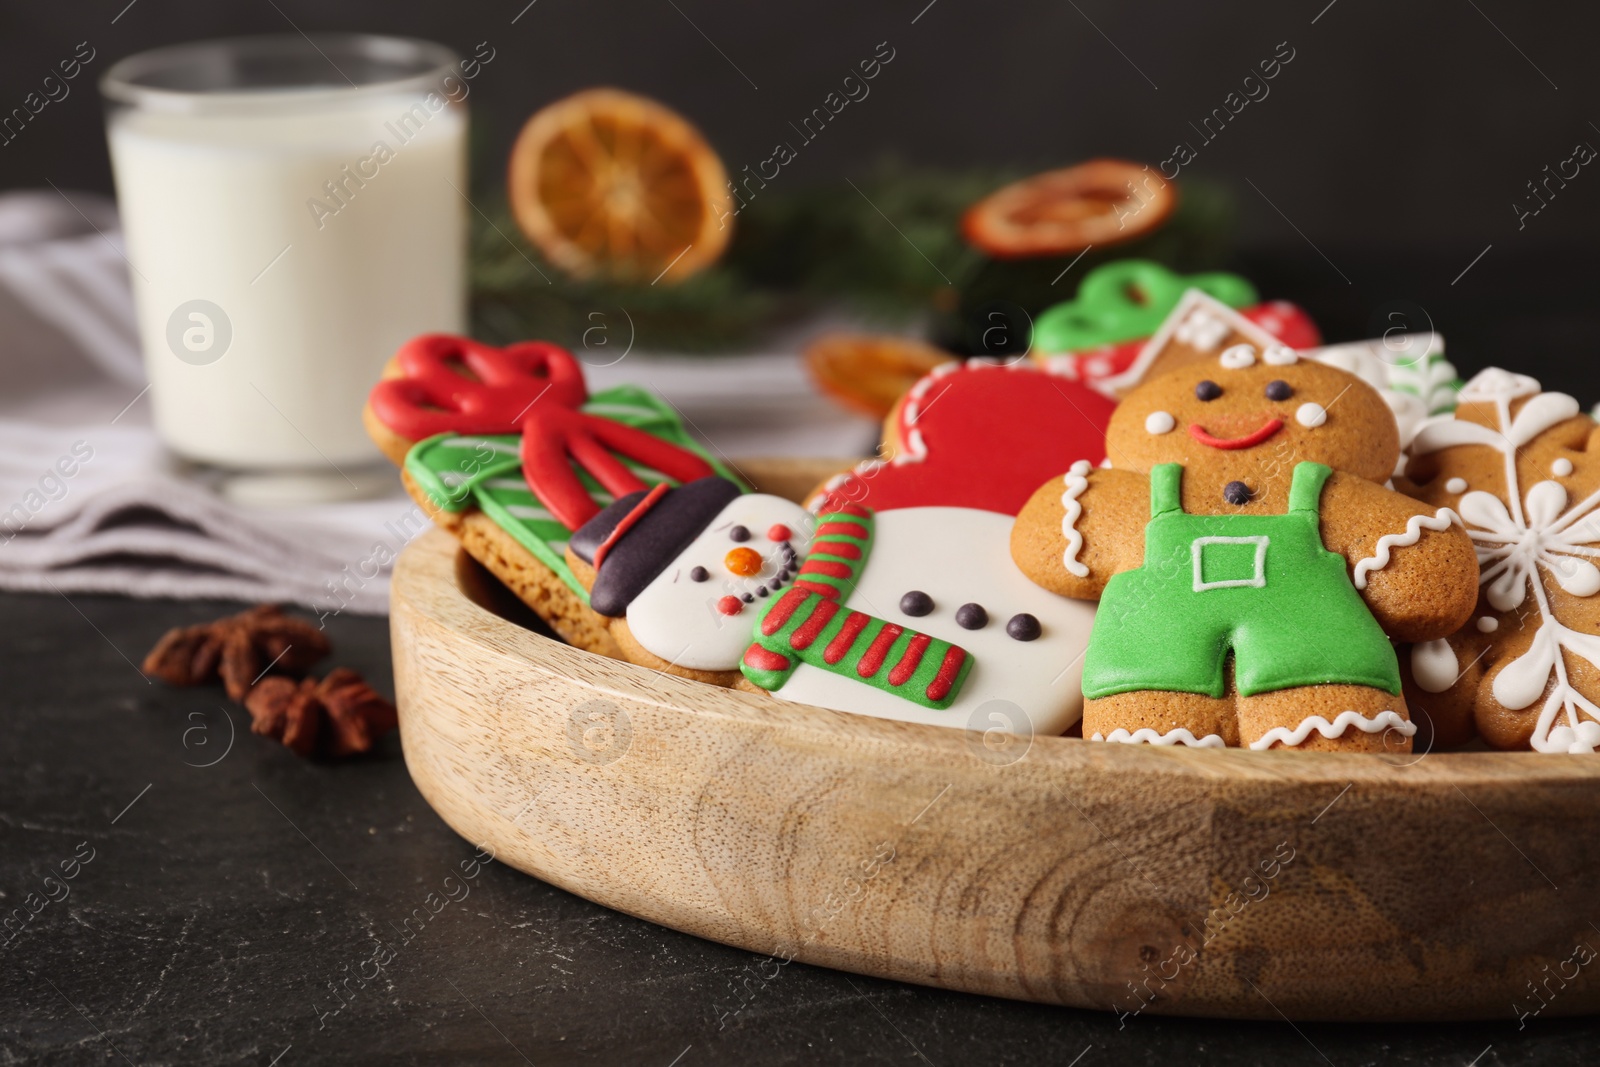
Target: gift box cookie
507	450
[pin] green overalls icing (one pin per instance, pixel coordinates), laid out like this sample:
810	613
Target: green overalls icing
1260	586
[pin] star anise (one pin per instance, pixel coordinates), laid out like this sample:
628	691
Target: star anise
238	649
337	716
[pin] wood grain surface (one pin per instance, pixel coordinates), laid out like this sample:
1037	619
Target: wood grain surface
1126	878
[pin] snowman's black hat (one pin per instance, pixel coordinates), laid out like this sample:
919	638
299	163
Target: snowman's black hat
634	538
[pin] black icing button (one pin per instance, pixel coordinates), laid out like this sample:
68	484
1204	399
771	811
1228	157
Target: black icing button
1023	627
972	617
699	574
739	533
749	598
761	590
916	603
1208	390
1278	389
1237	493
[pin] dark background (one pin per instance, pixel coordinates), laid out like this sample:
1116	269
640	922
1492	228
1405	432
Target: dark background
1396	141
1387	156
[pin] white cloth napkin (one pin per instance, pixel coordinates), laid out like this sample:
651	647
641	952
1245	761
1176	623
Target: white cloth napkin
90	502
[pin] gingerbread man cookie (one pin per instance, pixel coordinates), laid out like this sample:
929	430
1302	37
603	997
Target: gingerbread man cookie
1519	466
1250	565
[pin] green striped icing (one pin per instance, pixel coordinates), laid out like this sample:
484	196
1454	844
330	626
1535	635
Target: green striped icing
809	623
459	471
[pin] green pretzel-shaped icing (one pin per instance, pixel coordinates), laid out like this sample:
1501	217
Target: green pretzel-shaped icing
1128	299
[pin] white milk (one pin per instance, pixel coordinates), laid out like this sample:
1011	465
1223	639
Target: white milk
217	208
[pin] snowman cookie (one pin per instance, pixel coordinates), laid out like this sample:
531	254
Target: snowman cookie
1518	465
909	606
680	573
1250	565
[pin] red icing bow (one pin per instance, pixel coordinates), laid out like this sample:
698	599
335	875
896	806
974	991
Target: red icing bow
457	385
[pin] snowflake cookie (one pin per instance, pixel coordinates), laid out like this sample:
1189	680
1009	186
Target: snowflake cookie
1516	464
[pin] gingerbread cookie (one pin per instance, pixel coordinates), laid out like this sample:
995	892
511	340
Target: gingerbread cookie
682	572
1516	464
1408	370
1274	567
506	449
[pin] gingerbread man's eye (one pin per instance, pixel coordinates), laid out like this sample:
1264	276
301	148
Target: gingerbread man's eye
1208	390
1278	389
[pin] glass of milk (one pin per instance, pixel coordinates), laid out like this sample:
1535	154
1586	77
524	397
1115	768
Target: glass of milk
294	209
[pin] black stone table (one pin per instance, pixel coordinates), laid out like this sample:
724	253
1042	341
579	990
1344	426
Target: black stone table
222	887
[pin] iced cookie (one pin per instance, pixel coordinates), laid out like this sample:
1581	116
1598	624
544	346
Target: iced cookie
911	573
1408	370
979	434
1099	333
506	449
1250	566
918	614
680	573
1518	465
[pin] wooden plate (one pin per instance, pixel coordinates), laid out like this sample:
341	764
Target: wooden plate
1130	878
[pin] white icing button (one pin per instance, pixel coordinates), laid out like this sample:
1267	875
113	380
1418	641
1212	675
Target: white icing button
1279	355
1456	485
1311	414
1488	624
1561	467
1238	357
1159	422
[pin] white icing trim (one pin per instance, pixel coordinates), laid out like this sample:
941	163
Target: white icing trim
1456	486
1493	384
1311	414
1238	357
1159	422
1075	481
1279	355
1260	541
1434	665
1191	300
1561	467
1146	736
1383	721
1379	559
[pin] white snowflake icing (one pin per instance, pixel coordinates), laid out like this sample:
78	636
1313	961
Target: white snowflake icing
1518	536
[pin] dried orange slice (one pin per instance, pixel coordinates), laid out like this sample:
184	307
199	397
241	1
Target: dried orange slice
869	372
1059	212
608	183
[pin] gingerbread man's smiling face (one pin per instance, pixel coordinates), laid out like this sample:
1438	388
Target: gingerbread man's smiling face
1250	415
